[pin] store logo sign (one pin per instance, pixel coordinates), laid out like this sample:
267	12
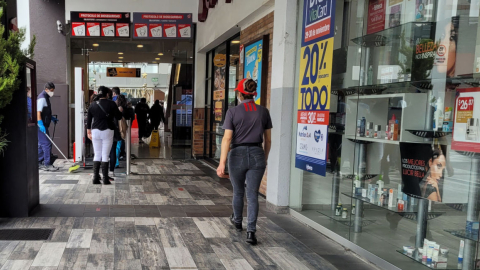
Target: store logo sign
318	136
309	168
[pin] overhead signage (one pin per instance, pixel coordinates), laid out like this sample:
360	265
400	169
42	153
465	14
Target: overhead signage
316	56
123	72
253	65
100	24
162	25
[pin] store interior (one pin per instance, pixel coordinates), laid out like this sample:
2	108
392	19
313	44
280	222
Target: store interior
399	177
166	75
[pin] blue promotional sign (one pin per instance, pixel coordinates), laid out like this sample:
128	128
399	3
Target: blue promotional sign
318	20
316	58
253	65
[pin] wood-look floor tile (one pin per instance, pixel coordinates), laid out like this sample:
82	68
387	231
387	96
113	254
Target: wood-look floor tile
128	265
209	228
49	254
6	249
102	243
285	259
179	258
100	262
17	264
237	264
74	259
151	249
80	238
26	250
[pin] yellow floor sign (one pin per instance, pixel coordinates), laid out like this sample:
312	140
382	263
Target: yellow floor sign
155	139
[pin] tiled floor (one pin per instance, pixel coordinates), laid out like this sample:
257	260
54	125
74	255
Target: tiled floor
174	218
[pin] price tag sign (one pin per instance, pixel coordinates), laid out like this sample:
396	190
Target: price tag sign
316	56
464	109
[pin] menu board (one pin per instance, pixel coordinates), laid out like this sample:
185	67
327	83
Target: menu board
100	24
162	25
376	16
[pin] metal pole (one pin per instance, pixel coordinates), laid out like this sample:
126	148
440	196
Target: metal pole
421	222
335	189
357	221
128	142
473	207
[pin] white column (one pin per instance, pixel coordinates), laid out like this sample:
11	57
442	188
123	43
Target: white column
23	20
282	104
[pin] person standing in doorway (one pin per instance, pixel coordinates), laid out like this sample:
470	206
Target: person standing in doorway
44	116
141	110
156	115
247	126
100	129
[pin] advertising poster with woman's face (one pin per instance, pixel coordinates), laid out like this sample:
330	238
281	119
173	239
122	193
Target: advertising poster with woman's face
423	170
445	59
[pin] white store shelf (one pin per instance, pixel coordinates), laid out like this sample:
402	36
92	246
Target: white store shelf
358	138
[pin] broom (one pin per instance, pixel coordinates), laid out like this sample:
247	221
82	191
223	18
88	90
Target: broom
72	168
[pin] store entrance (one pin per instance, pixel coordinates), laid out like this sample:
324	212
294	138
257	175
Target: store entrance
161	73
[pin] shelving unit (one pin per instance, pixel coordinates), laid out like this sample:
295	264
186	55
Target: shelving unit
451	262
375	109
464	235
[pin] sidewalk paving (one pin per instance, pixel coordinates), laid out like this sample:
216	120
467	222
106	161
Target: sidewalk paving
174	218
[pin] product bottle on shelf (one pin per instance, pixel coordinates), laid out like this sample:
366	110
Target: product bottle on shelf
438	115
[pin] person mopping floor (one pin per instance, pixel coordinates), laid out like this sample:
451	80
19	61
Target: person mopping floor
44	116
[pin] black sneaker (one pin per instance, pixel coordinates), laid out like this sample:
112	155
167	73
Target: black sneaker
238	226
251	239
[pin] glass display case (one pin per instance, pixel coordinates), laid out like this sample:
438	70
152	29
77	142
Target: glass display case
403	156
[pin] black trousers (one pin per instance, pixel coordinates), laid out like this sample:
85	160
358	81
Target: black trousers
113	156
142	126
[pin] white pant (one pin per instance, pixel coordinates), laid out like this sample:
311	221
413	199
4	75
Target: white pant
102	143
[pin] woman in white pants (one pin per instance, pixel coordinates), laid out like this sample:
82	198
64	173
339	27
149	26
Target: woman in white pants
100	129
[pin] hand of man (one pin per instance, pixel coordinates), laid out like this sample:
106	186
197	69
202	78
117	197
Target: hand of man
89	134
54	119
41	126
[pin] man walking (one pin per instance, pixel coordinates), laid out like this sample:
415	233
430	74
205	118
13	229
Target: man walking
44	116
141	110
156	115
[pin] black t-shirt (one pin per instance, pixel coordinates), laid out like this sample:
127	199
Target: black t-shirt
248	122
99	117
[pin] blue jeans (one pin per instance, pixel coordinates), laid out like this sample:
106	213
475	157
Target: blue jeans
44	147
246	165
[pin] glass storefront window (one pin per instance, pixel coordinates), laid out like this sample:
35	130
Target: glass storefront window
403	136
222	73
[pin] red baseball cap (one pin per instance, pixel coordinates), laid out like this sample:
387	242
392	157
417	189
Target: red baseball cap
241	88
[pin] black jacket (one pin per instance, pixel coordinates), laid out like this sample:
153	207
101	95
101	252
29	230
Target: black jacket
156	114
141	109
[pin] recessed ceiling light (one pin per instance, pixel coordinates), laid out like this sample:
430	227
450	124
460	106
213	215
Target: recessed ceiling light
120	60
120	57
96	44
191	56
235	41
157	58
139	46
120	52
154	62
160	54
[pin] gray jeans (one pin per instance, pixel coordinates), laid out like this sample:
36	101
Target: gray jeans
246	165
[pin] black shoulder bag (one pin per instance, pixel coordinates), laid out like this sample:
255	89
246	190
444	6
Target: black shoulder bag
117	136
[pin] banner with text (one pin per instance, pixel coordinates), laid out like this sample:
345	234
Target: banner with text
316	56
253	65
162	25
96	24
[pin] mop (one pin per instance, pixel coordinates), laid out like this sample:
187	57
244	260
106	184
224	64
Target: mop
72	168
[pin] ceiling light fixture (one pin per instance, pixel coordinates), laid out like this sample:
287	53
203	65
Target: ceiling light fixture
154	62
139	46
157	58
160	54
96	44
120	52
235	41
120	57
